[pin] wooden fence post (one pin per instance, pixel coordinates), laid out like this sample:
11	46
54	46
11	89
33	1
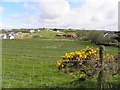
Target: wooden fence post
100	74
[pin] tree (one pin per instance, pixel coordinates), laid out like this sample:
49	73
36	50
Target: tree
99	37
118	37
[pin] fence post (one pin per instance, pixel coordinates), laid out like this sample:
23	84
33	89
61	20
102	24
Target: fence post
100	74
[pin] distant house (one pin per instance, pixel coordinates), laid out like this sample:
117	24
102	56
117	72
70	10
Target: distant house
71	35
110	35
5	36
12	37
60	35
32	31
57	31
68	35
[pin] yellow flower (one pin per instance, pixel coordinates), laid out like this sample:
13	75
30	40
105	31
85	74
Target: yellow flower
82	75
85	56
73	75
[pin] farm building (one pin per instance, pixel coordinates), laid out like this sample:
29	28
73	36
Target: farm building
60	35
71	35
10	35
68	35
32	31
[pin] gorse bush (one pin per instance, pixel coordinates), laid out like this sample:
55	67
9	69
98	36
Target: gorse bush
85	64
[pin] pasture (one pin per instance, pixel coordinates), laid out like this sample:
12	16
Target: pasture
32	63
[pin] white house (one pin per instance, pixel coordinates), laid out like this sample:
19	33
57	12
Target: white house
32	31
12	37
4	36
110	35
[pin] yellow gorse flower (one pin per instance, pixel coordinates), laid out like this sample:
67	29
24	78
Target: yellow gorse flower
79	55
82	75
89	53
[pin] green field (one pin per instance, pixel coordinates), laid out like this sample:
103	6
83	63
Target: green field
47	34
32	63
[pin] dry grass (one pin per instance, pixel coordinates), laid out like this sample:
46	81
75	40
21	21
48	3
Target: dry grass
24	36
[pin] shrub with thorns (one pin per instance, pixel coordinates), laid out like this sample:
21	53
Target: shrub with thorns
84	64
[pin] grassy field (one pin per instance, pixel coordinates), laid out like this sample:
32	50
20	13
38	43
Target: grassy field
32	63
48	34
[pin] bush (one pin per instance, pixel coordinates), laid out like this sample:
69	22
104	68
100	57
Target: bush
98	37
84	64
118	37
82	34
23	31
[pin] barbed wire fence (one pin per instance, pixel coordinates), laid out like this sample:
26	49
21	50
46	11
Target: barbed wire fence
22	66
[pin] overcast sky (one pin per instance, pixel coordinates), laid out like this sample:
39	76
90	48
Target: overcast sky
78	14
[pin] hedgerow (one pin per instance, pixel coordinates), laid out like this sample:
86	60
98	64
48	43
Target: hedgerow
85	64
